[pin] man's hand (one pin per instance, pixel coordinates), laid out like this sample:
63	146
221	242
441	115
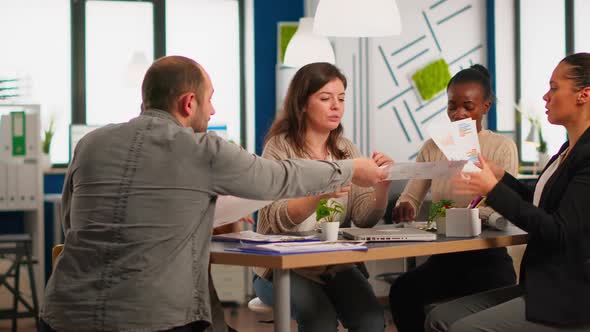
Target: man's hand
404	212
382	160
366	173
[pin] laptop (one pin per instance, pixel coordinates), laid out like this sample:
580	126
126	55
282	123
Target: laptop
388	233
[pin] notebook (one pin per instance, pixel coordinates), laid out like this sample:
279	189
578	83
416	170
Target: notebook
389	233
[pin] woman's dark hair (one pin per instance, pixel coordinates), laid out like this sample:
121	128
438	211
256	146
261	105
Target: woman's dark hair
579	71
291	121
476	74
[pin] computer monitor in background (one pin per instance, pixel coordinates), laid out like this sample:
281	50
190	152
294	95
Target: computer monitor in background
77	131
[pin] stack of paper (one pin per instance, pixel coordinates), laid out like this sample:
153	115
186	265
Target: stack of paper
289	248
253	237
458	141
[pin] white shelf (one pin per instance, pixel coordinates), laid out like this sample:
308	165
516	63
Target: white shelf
32	210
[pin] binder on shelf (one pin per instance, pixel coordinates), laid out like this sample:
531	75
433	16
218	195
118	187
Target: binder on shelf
18	121
12	186
32	135
5	139
27	186
3	186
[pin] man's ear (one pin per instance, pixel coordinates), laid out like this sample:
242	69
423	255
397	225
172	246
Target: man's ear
184	104
583	96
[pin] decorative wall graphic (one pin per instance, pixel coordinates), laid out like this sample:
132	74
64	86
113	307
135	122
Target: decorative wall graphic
384	109
432	79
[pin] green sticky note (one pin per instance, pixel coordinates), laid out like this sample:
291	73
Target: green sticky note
432	79
19	123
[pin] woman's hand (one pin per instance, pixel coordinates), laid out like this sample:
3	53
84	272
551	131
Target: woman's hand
382	160
475	184
404	212
497	170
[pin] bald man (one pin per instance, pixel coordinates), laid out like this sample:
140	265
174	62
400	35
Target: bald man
138	206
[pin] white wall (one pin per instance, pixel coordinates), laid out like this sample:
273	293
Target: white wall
370	120
542	37
505	64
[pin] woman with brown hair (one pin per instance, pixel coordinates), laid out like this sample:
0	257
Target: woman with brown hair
309	128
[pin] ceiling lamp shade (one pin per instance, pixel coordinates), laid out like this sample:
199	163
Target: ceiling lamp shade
306	47
357	18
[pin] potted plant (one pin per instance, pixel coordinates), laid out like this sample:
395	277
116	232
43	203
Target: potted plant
437	215
46	144
325	214
535	136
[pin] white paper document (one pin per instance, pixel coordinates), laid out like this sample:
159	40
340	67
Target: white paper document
250	236
458	141
230	209
424	170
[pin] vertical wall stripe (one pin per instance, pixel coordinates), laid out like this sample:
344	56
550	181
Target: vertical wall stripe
367	111
491	54
570	30
361	97
354	92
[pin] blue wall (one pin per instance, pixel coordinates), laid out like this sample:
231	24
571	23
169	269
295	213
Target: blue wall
267	14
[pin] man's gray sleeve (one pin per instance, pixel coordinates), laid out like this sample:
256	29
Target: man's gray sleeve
235	171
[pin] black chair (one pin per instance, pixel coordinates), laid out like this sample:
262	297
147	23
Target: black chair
17	248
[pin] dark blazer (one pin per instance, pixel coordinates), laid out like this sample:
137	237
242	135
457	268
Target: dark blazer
555	270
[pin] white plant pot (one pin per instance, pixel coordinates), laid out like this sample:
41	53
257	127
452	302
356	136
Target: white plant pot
330	231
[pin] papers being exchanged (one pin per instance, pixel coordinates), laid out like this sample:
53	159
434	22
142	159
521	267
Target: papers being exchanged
229	209
424	170
458	141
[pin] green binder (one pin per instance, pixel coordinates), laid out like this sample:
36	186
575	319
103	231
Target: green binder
19	142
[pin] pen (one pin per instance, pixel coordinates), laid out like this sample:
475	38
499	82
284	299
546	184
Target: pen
483	199
475	202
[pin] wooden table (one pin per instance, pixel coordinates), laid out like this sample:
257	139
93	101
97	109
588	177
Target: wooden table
282	265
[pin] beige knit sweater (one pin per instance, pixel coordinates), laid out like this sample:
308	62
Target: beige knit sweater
495	147
275	219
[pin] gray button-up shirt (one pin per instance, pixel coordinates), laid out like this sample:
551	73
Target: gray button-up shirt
138	208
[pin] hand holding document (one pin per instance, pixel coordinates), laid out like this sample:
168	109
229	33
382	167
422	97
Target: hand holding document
458	141
230	209
425	170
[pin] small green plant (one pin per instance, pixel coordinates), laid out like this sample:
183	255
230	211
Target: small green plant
327	210
47	137
438	210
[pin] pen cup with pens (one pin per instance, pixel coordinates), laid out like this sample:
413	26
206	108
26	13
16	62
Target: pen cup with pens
465	222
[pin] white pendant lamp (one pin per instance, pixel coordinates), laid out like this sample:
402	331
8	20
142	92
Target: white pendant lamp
306	47
357	18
